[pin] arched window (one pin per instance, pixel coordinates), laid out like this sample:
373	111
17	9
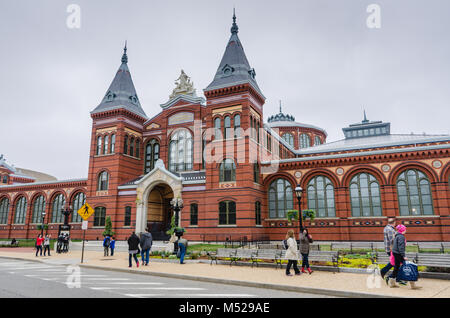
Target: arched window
317	140
252	128
103	179
280	198
127	219
78	201
194	214
180	151
257	131
217	129
227	127
4	210
105	144
256	172
21	211
112	146
99	216
227	213
227	171
59	202
151	155
320	191
257	213
365	195
38	209
305	142
289	139
99	145
125	145
5	179
138	148
132	146
237	126
414	193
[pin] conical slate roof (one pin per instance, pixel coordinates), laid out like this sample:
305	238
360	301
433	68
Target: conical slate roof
121	93
234	67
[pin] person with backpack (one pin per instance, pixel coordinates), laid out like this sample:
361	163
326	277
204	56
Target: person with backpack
305	240
106	243
39	242
291	253
133	249
112	245
389	234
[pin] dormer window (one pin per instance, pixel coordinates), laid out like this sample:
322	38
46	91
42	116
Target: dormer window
133	99
252	73
227	70
110	96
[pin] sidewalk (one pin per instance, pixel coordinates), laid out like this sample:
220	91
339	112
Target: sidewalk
320	282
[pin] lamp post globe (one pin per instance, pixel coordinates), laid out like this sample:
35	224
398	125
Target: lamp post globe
42	226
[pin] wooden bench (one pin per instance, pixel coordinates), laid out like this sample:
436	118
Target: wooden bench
264	254
340	245
431	245
314	256
234	254
383	258
9	244
433	260
242	253
221	253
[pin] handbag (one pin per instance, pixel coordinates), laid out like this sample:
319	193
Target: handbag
408	272
392	259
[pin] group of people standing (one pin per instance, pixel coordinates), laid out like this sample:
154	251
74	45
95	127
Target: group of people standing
144	242
43	243
63	243
109	244
292	252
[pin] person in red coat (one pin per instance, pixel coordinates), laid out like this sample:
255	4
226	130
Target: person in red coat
39	243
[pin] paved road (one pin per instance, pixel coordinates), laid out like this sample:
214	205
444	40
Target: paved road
33	279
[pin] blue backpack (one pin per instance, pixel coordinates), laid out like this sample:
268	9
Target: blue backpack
408	272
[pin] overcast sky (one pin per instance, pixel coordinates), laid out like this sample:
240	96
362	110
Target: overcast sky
317	56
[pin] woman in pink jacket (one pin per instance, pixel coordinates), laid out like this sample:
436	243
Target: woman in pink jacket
39	242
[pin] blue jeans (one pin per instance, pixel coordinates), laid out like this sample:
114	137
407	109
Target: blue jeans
305	262
386	269
182	252
145	255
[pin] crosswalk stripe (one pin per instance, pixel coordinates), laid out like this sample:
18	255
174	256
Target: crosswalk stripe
148	288
125	283
214	295
109	278
143	295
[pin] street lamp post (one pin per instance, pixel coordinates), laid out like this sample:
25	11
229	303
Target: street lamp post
42	226
298	193
64	246
177	205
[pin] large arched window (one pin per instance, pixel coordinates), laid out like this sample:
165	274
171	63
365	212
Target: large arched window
317	140
180	151
105	144
99	216
21	211
4	210
320	191
280	198
59	202
237	126
151	155
305	142
414	193
227	171
289	139
78	201
103	178
38	209
112	146
217	129
227	213
365	195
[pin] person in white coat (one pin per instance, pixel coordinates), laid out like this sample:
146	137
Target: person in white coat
291	253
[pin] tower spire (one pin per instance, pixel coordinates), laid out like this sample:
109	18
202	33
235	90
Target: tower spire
365	117
124	56
234	28
280	107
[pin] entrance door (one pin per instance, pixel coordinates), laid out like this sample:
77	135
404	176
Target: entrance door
159	212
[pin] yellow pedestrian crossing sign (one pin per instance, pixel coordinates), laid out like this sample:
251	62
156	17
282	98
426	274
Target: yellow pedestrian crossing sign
85	211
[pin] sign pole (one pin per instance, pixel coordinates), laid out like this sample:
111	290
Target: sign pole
82	250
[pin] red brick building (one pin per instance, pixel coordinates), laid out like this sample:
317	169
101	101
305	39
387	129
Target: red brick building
235	173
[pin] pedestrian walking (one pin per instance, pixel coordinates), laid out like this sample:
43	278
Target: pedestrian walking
146	244
59	245
133	249
66	243
305	240
112	245
182	246
106	243
389	234
399	254
291	253
47	245
39	242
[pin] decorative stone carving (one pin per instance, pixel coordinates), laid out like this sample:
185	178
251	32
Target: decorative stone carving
385	168
437	164
183	86
340	171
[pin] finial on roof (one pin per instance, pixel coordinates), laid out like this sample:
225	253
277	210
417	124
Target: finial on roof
280	107
124	56
234	28
365	117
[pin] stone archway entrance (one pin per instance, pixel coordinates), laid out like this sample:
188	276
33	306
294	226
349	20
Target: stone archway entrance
154	193
159	212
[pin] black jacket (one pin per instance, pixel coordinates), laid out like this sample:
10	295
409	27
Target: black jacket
399	244
133	242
